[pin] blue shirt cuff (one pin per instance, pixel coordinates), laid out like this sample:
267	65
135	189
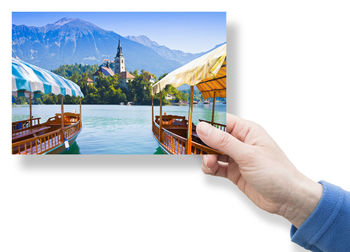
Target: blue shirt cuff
321	219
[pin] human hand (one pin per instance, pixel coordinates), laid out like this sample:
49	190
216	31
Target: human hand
255	163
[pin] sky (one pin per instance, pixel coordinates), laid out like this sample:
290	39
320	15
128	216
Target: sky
187	31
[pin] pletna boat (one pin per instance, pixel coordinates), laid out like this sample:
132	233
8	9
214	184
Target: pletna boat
31	136
176	134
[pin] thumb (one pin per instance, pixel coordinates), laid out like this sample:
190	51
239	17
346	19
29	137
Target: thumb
221	140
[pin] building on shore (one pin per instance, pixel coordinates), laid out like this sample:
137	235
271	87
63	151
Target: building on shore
170	97
149	77
105	70
125	77
89	82
119	68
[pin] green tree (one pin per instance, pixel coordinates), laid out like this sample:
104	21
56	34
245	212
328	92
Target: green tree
109	90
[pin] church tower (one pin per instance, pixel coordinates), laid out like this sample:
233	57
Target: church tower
119	60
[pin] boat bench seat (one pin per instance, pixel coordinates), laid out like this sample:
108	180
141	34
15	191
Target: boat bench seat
29	132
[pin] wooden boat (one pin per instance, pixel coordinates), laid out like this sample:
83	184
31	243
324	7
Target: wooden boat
176	134
31	136
174	138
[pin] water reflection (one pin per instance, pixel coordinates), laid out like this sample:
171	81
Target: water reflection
159	151
115	129
73	149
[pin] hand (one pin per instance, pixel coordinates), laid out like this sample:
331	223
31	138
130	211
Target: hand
254	162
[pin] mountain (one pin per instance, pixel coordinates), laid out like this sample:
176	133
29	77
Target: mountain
70	41
176	55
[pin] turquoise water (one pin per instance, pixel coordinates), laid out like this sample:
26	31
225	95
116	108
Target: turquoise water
115	129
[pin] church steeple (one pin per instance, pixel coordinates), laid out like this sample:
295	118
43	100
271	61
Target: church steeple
119	60
119	51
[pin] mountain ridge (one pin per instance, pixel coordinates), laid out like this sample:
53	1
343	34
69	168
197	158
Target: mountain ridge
164	51
73	40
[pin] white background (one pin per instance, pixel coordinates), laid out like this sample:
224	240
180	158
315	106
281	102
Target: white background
289	70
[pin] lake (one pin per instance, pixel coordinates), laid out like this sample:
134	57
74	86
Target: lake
115	129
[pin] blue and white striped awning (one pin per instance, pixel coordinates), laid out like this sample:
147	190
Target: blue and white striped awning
30	78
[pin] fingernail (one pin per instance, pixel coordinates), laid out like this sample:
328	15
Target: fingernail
203	129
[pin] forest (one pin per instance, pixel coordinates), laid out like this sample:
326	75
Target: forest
108	90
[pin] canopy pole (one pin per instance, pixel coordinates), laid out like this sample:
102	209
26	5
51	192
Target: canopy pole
213	111
62	118
30	109
160	116
189	128
80	107
152	110
80	111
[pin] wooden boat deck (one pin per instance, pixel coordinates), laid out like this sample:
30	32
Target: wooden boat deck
29	132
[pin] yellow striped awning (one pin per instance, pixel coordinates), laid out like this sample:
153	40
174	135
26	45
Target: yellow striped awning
207	72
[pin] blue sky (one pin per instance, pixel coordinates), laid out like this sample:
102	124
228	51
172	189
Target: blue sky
186	31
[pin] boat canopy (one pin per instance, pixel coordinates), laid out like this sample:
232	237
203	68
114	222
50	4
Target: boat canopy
207	72
29	78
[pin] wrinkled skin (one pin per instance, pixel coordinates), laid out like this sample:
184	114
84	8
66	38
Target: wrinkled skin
254	162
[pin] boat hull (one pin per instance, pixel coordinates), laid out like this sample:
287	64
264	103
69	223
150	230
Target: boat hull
61	148
162	147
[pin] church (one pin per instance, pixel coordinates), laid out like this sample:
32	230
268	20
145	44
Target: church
110	68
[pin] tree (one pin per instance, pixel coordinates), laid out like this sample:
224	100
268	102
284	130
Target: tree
107	89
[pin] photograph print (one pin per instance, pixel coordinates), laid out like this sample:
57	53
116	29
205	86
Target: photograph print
116	82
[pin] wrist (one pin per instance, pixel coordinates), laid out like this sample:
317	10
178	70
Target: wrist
304	197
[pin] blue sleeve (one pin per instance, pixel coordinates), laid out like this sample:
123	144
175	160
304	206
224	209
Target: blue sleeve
328	227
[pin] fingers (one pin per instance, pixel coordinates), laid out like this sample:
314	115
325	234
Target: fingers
238	127
211	165
221	141
224	158
231	121
211	162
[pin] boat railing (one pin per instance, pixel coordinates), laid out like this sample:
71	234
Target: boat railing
176	144
155	129
197	148
216	125
172	142
72	129
38	144
25	124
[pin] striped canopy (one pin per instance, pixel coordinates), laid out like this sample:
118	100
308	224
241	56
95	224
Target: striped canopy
30	78
207	73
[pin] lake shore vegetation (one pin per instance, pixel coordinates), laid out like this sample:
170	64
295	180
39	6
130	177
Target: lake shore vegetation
109	89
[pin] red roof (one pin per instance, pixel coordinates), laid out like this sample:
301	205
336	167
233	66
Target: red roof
126	75
106	71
